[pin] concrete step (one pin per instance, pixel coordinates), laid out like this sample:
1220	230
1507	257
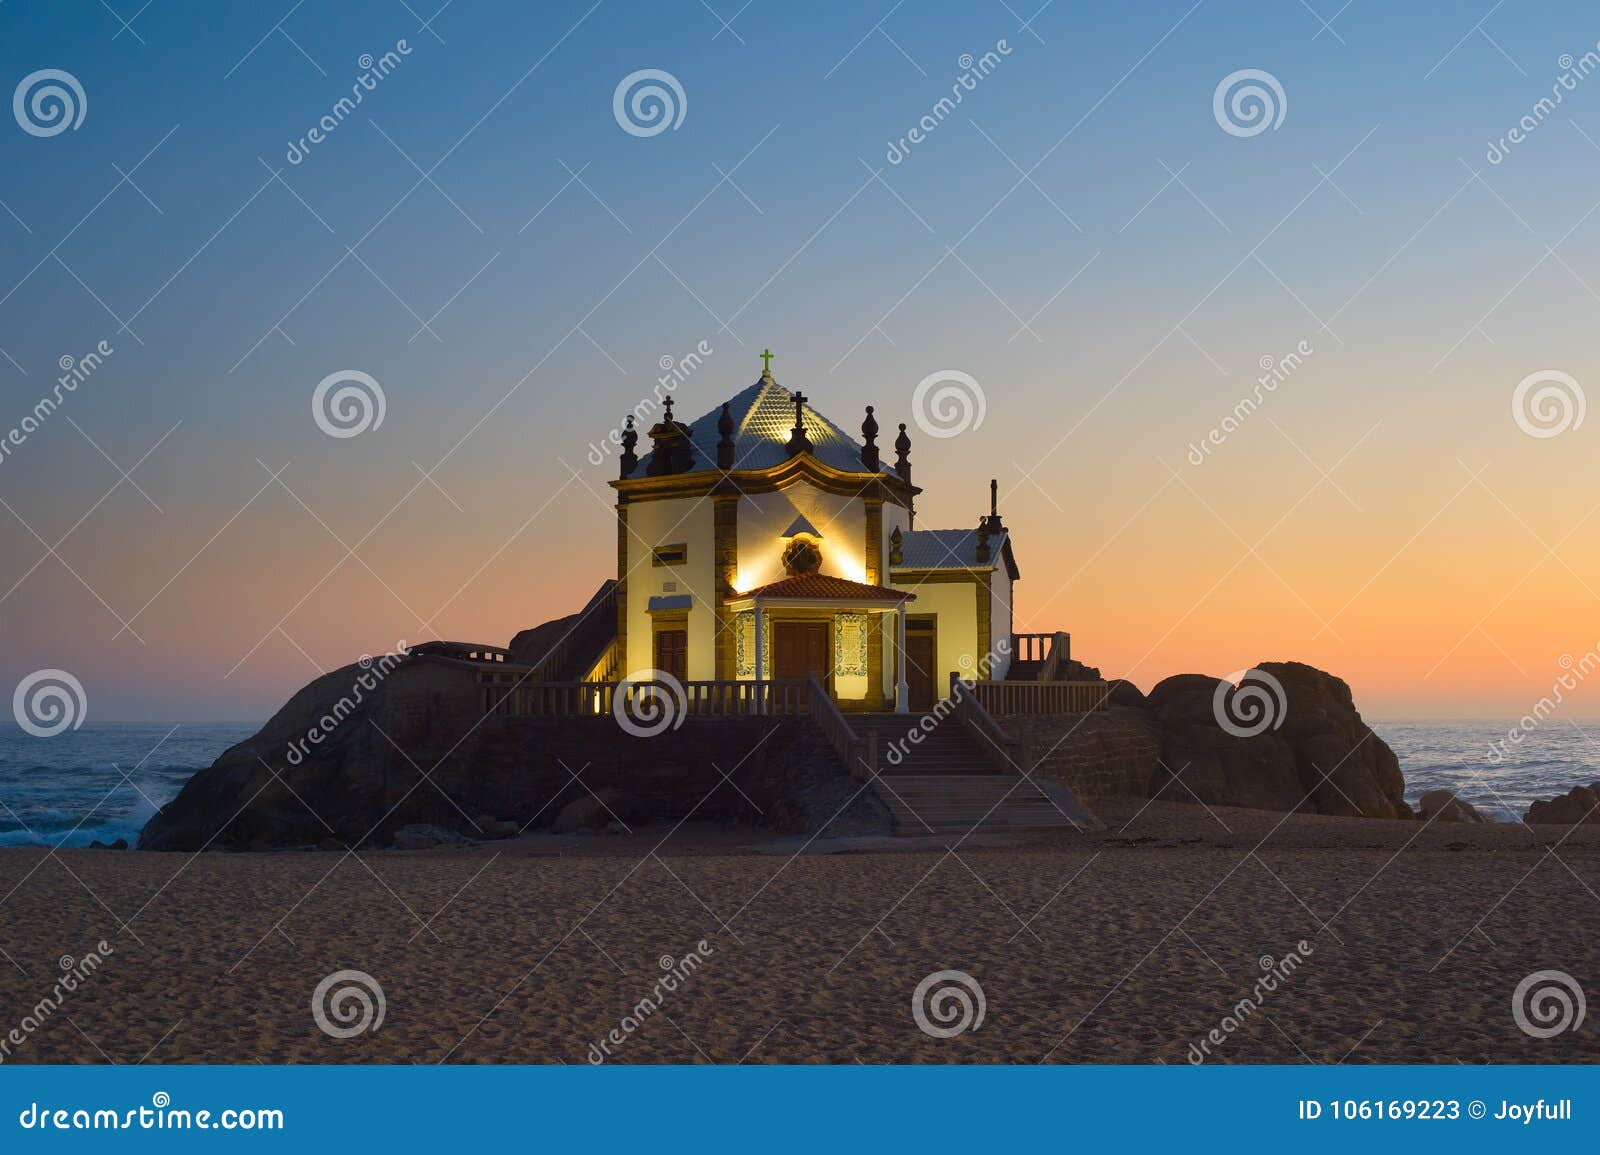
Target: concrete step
945	750
982	802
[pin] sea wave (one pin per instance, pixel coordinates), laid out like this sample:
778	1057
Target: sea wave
1454	756
101	782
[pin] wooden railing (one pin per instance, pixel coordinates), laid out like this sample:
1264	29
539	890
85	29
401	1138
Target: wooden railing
524	698
1006	698
460	651
1006	754
1051	651
1031	647
1060	655
859	754
510	696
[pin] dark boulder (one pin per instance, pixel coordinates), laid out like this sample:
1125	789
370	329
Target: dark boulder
1581	804
1288	738
1121	692
589	812
1443	806
426	836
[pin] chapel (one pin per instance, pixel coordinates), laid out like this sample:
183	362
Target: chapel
763	541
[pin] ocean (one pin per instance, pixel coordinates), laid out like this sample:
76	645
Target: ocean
1455	755
69	790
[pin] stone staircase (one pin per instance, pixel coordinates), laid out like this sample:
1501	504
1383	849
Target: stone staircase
1024	671
945	784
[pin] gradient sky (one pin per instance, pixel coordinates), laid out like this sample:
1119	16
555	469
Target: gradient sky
1382	515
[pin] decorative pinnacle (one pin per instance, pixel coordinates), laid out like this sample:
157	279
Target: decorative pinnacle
798	441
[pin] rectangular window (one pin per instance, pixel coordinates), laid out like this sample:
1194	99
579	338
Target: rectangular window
676	554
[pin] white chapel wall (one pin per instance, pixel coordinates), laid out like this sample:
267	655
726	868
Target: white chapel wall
1002	622
842	522
688	520
956	604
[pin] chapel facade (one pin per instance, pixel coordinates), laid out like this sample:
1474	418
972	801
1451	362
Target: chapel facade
762	541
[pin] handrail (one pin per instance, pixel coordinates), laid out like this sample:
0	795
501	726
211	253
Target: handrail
508	695
605	667
1006	754
1006	698
591	634
1060	654
852	750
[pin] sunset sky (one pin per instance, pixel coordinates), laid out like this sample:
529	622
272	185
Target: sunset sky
1080	235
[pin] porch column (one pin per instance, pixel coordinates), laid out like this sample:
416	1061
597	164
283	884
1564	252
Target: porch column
761	661
902	691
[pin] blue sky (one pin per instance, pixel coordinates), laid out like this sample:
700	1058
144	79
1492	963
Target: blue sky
1154	258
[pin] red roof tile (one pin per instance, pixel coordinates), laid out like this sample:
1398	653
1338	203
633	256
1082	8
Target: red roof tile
823	587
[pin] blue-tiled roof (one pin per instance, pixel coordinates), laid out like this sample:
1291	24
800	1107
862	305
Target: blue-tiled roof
762	416
947	549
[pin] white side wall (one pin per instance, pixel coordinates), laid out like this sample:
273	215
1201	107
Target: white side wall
956	604
1002	622
894	517
667	522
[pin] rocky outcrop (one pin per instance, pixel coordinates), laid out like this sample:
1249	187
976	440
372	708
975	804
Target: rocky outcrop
401	754
355	759
1580	804
1293	740
1121	692
567	646
1443	806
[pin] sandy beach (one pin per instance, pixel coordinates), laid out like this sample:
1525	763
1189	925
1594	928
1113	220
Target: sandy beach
1122	946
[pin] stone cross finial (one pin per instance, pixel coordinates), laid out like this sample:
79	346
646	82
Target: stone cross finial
766	362
725	441
798	441
630	437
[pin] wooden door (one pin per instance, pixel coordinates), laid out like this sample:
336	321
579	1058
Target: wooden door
672	653
920	672
800	650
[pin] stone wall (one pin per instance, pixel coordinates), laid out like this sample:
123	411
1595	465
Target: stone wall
1110	753
418	749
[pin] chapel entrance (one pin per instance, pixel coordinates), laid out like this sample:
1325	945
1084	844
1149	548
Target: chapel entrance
920	663
800	650
672	653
